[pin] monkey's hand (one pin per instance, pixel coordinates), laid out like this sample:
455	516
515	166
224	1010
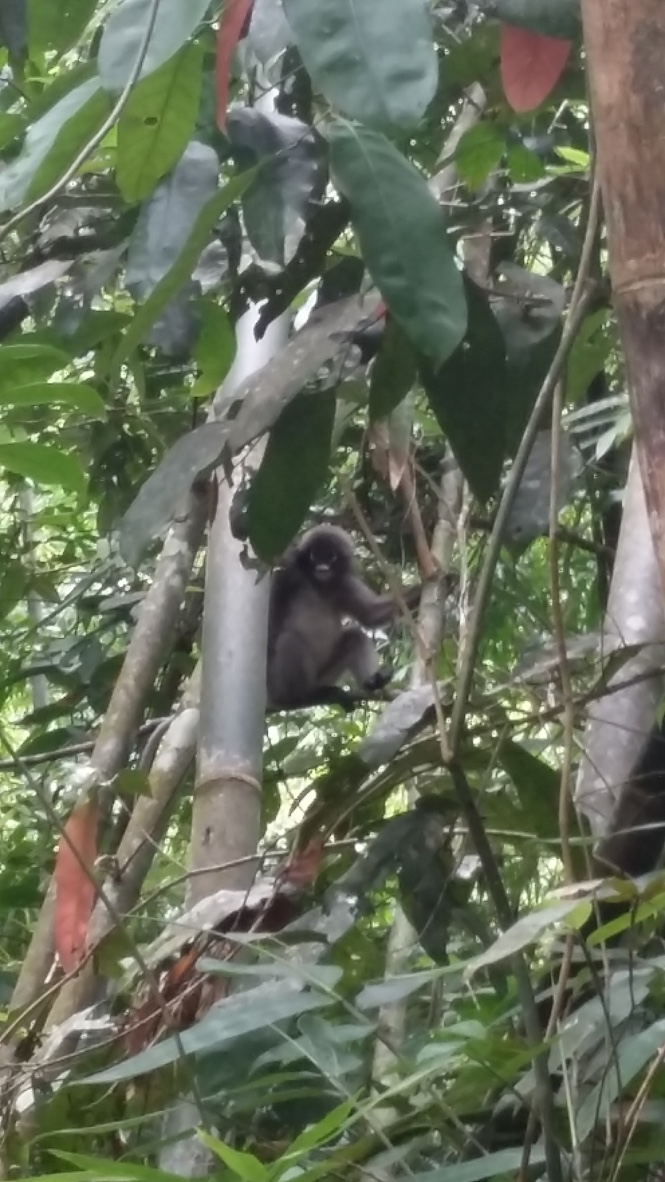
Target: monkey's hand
378	680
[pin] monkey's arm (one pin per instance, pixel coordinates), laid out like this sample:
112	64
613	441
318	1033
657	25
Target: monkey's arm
369	609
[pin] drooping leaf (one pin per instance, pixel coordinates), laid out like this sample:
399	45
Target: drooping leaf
52	142
531	66
530	317
214	350
167	218
292	471
381	71
393	373
292	173
402	238
157	123
77	396
74	890
124	32
231	23
529	513
552	18
470	397
44	465
181	269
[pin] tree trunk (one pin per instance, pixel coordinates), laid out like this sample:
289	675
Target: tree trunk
625	49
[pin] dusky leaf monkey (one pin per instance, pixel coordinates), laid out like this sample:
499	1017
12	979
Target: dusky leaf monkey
311	646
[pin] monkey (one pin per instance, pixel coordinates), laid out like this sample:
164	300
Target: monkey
636	837
310	647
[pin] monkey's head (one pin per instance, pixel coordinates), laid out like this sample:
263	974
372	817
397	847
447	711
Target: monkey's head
325	554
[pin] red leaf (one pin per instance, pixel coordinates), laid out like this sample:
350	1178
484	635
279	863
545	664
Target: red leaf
531	66
231	24
74	892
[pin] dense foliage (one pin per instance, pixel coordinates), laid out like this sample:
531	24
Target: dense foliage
150	195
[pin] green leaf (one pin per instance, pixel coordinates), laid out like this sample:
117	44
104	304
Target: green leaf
157	123
44	465
523	165
593	345
380	70
52	142
23	363
99	1169
393	373
241	1013
402	238
75	395
181	269
469	396
479	152
292	471
214	350
492	1165
57	26
125	29
244	1165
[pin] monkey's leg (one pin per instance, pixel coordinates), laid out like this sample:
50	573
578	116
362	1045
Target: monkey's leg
356	654
294	681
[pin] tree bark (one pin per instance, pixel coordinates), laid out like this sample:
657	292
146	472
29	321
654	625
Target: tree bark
625	50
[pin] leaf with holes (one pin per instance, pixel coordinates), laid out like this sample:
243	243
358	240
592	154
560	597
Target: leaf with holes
157	123
531	66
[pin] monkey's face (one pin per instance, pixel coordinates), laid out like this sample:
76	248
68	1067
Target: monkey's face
323	562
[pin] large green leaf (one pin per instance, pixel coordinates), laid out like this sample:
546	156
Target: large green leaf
241	1013
470	398
181	269
393	373
44	465
22	363
75	395
52	142
125	29
375	65
157	123
402	237
57	26
294	467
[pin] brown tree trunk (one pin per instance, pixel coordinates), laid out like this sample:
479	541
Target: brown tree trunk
625	48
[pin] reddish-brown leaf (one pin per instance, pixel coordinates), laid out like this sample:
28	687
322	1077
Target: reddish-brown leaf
231	24
303	867
74	891
531	66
